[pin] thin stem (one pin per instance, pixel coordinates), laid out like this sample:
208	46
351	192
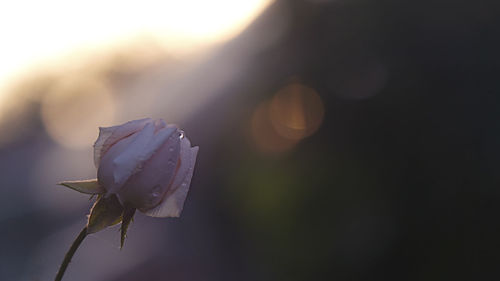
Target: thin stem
70	253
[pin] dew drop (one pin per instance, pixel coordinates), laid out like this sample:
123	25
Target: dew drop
181	134
155	192
171	149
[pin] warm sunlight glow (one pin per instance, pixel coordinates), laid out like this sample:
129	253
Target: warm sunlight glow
295	112
63	108
34	33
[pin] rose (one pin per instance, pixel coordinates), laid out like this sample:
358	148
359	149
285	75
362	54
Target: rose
143	165
147	164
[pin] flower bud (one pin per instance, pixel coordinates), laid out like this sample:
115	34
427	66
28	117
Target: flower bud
147	164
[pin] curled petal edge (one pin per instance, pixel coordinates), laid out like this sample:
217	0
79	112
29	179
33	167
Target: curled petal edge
173	203
110	135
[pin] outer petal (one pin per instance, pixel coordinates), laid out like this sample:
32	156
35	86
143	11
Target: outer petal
128	159
146	188
105	172
173	202
182	172
111	135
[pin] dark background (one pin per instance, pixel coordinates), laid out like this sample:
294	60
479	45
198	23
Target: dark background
399	182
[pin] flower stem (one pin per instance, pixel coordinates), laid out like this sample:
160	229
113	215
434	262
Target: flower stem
70	253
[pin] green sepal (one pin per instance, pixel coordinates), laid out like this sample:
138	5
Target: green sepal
128	215
105	212
84	186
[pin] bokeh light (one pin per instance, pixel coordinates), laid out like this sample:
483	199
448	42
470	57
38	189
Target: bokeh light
294	112
263	133
74	108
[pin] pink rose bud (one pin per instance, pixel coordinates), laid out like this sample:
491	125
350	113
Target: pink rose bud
147	164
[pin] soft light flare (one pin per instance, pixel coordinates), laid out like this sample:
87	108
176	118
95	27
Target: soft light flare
37	32
294	113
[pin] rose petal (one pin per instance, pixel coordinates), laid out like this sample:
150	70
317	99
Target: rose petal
147	188
173	202
111	135
184	167
131	159
105	172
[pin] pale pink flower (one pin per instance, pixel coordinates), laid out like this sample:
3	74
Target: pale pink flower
146	163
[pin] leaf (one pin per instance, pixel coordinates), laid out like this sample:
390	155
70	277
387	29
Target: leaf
105	212
84	186
128	215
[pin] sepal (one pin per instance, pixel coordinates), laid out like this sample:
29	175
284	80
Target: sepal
128	215
84	186
105	212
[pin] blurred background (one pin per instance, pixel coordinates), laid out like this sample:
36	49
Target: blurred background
339	140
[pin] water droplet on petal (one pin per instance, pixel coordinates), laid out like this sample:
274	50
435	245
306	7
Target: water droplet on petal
171	149
155	192
181	134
